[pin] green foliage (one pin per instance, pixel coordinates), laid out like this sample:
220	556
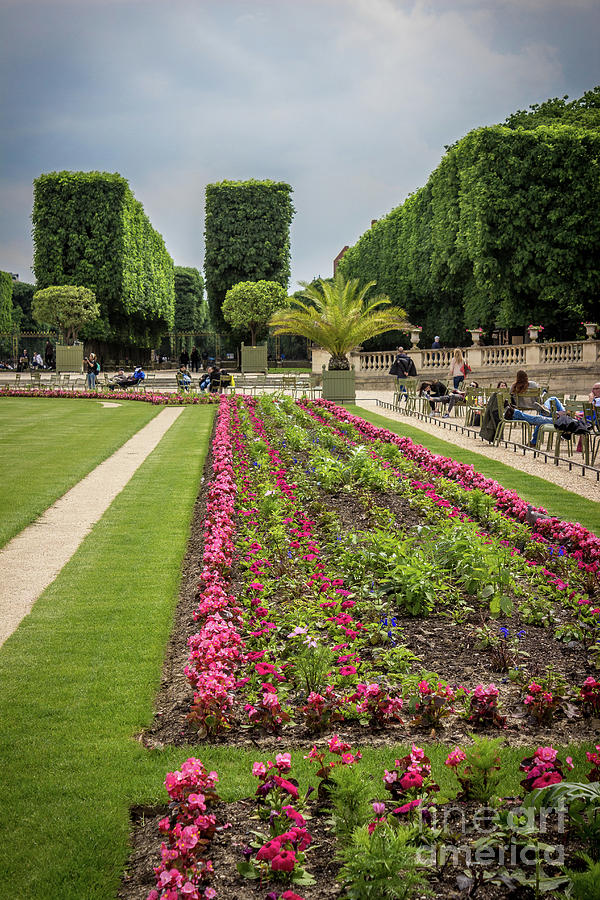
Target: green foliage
191	311
506	231
586	885
349	795
247	237
381	865
338	316
67	307
22	300
89	230
583	112
249	305
6	303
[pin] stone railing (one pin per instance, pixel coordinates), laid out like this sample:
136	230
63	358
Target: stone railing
576	363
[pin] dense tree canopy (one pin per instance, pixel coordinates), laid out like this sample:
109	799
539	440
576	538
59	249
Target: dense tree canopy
89	230
247	237
191	311
506	231
6	304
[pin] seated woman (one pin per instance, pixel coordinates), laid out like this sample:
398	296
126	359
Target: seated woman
436	391
184	379
544	414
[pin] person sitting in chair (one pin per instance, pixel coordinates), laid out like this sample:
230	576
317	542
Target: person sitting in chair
184	379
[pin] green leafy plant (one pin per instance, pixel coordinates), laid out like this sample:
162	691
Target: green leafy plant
66	307
338	316
349	795
381	865
249	305
477	768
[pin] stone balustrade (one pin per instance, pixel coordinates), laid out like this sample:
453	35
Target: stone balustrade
566	365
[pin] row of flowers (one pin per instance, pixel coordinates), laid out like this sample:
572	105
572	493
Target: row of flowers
280	856
156	399
583	544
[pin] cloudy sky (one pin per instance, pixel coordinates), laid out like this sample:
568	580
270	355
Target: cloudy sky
350	101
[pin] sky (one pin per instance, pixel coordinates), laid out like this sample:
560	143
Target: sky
349	101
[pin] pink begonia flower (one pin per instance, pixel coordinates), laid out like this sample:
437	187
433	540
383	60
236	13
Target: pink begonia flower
189	891
163	825
196	801
455	757
546	754
390	777
209	893
417	752
259	769
547	779
189	837
283	762
569	762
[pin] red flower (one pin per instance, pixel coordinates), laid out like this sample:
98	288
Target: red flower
284	862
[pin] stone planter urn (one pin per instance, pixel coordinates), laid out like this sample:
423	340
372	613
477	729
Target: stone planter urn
534	332
590	330
476	335
415	336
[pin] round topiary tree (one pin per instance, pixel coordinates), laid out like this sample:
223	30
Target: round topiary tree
249	305
66	307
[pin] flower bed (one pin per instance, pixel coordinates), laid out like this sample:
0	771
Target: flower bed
155	398
357	588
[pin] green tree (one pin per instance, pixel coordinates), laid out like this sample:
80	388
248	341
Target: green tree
6	304
89	230
339	316
247	237
66	307
191	310
22	300
249	305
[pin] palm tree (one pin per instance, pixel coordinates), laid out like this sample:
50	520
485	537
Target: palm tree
338	317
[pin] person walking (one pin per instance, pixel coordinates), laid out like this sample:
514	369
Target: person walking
457	370
195	360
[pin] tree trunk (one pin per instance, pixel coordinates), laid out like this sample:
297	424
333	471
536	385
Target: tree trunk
339	362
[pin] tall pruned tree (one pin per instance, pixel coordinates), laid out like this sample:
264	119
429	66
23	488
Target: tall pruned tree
191	311
89	230
6	304
247	237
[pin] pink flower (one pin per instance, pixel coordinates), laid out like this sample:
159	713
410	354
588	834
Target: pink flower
547	779
378	808
283	762
269	850
259	769
284	862
546	754
455	758
411	780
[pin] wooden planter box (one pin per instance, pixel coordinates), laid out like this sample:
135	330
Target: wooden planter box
339	385
69	358
254	359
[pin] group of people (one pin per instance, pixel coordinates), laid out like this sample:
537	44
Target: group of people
543	411
212	380
193	359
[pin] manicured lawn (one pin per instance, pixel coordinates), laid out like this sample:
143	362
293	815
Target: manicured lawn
537	491
49	445
78	677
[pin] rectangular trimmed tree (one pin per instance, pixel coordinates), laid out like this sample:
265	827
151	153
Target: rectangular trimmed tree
6	304
89	230
247	237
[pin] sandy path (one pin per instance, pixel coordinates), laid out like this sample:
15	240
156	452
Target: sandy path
571	481
33	559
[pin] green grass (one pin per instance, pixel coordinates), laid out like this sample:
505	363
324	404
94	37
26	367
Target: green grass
536	490
78	677
49	445
285	370
77	681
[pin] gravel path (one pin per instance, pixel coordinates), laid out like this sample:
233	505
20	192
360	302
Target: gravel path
585	486
33	559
